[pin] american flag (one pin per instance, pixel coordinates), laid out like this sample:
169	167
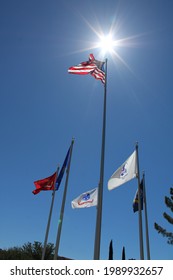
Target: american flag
92	66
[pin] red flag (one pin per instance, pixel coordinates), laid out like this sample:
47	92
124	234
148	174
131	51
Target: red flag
46	184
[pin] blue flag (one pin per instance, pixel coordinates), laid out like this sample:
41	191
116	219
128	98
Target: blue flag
61	173
136	201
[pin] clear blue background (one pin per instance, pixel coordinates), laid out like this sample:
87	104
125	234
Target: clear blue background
42	107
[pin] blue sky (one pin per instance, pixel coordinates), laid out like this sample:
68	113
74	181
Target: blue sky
42	107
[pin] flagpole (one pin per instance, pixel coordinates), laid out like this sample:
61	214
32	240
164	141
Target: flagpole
146	219
139	212
100	186
63	205
49	218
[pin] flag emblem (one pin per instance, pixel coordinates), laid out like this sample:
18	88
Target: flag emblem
86	199
124	171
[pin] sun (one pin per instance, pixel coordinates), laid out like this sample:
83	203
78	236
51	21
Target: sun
110	43
106	44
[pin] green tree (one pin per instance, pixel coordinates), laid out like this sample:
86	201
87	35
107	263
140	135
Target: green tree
164	232
28	251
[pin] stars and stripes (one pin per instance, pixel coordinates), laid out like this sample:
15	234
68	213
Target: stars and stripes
92	66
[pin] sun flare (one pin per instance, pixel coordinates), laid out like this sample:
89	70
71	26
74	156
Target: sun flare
106	44
110	43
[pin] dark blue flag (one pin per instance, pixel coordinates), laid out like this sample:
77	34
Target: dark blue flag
61	173
136	201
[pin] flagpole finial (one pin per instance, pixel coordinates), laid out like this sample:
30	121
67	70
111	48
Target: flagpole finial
136	146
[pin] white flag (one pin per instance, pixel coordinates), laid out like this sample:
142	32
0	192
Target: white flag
86	199
126	172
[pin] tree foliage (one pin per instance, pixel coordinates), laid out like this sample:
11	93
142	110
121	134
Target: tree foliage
168	218
28	251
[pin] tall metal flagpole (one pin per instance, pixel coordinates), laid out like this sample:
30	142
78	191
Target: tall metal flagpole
139	211
146	218
49	218
100	186
63	205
